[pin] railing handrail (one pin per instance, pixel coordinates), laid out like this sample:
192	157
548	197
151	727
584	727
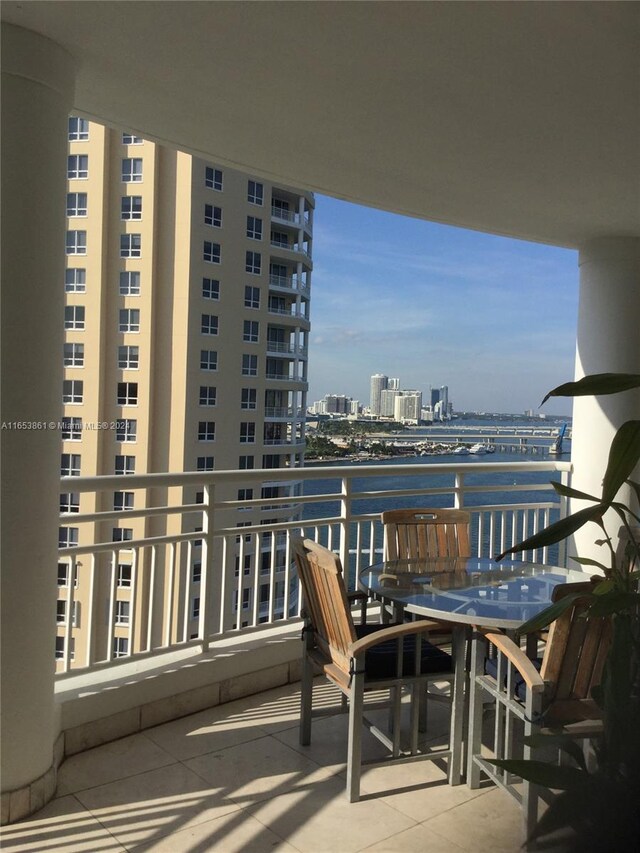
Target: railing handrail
313	472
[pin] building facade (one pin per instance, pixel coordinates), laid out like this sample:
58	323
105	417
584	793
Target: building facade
187	294
379	383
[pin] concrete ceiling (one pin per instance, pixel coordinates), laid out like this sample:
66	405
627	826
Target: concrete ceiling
514	118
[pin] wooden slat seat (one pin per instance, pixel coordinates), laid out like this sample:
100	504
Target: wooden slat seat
426	532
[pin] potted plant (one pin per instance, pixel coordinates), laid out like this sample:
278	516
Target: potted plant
601	804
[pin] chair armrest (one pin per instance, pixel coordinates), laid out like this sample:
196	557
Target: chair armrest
394	632
518	659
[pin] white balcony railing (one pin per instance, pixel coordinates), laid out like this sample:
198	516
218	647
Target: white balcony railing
341	508
288	282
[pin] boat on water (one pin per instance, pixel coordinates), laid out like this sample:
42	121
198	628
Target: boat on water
477	448
461	450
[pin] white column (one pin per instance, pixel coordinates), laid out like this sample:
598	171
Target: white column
37	94
608	340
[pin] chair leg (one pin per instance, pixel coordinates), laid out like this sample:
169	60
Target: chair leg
306	699
354	749
475	712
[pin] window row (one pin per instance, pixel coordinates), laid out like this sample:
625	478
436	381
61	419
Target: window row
74	319
78	168
130	206
79	132
73	392
70	464
120	646
72	428
212	254
75	281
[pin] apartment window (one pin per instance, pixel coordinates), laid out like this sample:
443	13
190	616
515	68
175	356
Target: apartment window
126	430
251	297
125	464
70	465
253	262
271	460
120	646
60	648
122	534
280	238
130	245
208	359
211	252
247	432
129	284
248	398
131	207
130	139
69	502
206	431
127	394
245	495
124	575
246	565
250	331
123	612
132	170
74	355
209	324
74	317
61	613
196	572
76	204
213	215
208	395
246	463
195	607
213	178
199	497
210	288
77	166
204	463
255	192
75	280
254	228
249	365
76	242
78	129
67	537
122	501
72	391
64	571
246	599
129	320
71	429
128	357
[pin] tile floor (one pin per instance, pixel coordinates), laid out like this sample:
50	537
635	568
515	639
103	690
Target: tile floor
233	779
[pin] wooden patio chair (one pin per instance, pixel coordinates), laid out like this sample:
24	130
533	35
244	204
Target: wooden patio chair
549	695
422	533
357	658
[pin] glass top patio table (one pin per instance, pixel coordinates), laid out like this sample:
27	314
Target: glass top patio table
471	591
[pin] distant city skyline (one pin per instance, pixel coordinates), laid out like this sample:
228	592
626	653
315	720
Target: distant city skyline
436	305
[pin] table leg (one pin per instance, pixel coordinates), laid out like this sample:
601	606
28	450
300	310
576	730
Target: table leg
458	703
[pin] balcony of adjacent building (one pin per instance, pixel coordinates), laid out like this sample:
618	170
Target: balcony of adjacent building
291	211
292	312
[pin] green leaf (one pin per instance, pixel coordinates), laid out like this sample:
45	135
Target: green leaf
568	492
614	603
636	488
542	773
565	742
586	561
624	455
596	384
557	531
549	614
604	587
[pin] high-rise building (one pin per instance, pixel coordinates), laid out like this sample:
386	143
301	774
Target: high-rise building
408	406
393	384
387	402
187	318
379	383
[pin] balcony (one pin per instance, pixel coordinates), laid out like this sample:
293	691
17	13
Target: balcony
286	282
233	778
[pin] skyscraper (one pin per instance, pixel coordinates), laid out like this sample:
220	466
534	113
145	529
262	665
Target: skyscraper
379	382
187	318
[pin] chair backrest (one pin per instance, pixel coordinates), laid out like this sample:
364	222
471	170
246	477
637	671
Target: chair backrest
325	600
421	533
576	650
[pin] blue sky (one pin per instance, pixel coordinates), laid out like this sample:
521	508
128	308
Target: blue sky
492	318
